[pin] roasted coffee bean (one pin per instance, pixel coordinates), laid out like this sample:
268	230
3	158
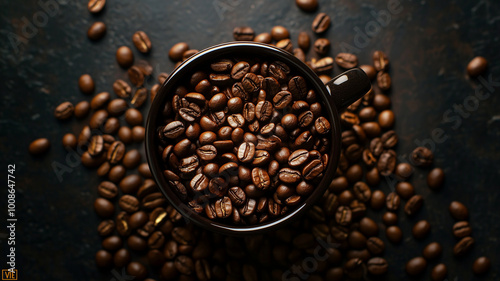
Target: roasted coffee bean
176	51
107	190
354	268
422	156
320	23
377	266
380	61
104	208
394	234
288	175
39	146
414	204
421	229
139	97
138	270
103	259
313	169
243	33
370	71
343	216
239	70
462	229
263	38
346	60
116	152
96	31
122	89
390	218
463	246
222	65
387	163
124	56
375	245
285	44
416	266
403	171
223	207
432	251
435	178
298	157
322	46
128	203
95	6
405	190
69	141
117	107
260	178
125	135
389	139
377	200
282	99
477	66
96	145
362	191
307	5
207	152
384	80
481	265
64	110
82	109
323	65
86	84
458	211
279	70
106	227
142	42
136	76
439	272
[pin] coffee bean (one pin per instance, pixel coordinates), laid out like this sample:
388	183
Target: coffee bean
279	33
354	268
307	5
421	229
405	190
82	109
394	234
416	266
320	23
86	84
413	205
263	111
435	178
461	229
477	66
96	146
260	178
481	265
463	246
343	216
346	60
322	46
282	99
39	146
288	175
384	80
142	42
103	259
175	53
377	266
104	208
116	152
106	227
95	6
279	70
128	203
64	110
458	211
96	31
138	270
243	33
422	156
432	251
370	71
285	44
313	169
124	56
263	38
380	61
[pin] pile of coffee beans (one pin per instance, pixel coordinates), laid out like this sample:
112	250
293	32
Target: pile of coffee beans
244	141
337	240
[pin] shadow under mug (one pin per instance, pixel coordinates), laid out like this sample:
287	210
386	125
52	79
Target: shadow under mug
334	96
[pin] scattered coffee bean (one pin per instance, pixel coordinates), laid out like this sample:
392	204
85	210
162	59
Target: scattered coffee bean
458	211
64	110
463	246
86	84
142	42
421	229
307	5
439	272
432	251
321	23
39	146
416	266
477	66
481	265
95	6
96	31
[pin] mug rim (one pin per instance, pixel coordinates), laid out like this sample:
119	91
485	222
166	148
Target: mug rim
214	52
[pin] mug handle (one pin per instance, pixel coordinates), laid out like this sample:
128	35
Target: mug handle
348	87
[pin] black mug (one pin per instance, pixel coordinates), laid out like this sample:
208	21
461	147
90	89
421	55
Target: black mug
335	95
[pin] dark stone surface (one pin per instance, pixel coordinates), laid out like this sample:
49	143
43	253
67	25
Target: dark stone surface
429	44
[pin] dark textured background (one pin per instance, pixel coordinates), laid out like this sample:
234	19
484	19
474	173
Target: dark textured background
429	44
